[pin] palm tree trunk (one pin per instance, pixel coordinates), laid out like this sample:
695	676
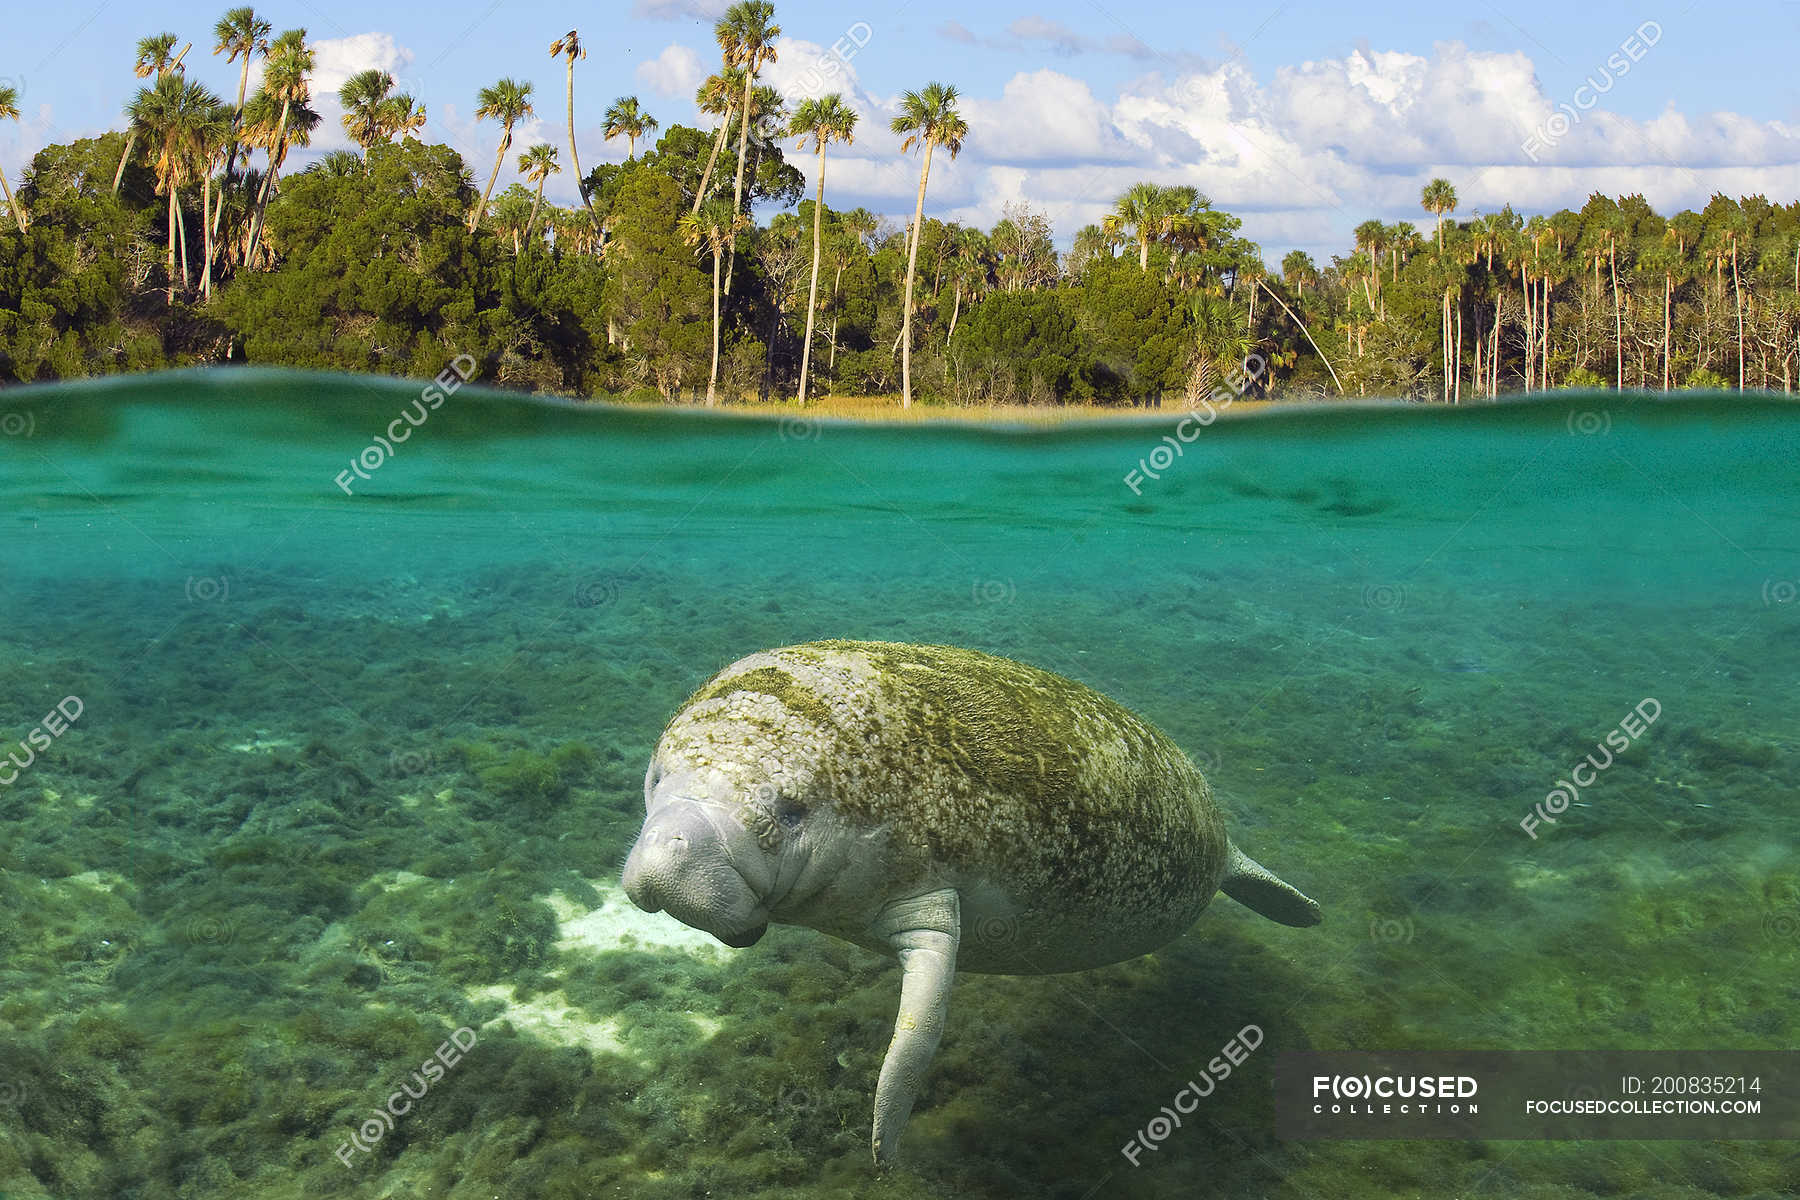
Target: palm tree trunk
955	311
237	117
574	154
831	365
536	202
181	224
737	191
1668	301
1456	359
812	294
1530	323
1493	375
712	160
1738	295
1544	343
712	381
206	217
12	203
171	291
1143	252
262	201
1309	337
912	267
1618	323
130	145
500	158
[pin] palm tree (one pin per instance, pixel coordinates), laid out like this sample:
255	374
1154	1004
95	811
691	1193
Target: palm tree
712	228
928	118
1136	210
1437	198
627	119
1372	236
240	32
510	213
401	116
1297	269
507	102
363	96
176	118
973	255
718	97
569	47
824	120
746	34
537	164
287	77
152	59
9	111
212	138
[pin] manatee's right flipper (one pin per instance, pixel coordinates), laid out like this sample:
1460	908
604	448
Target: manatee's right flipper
1258	889
924	932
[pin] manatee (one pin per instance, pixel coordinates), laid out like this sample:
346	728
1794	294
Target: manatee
945	806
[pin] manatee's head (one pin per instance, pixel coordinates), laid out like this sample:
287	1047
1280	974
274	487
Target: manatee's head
718	850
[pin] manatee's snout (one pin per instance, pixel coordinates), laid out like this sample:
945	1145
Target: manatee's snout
686	862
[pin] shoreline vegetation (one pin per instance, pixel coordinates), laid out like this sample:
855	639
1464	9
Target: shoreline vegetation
178	241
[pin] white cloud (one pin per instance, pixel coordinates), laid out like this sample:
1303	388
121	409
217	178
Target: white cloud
805	70
677	71
1314	148
335	60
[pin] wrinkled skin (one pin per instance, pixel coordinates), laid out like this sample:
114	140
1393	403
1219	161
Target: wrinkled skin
697	860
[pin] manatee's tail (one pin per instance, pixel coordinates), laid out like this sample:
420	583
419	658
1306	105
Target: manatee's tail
1258	889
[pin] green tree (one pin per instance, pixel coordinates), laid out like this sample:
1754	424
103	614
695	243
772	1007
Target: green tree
537	164
655	300
507	102
569	48
1437	198
155	56
711	230
240	33
1021	347
1298	270
364	96
746	35
929	118
400	116
9	111
717	96
287	80
627	119
824	120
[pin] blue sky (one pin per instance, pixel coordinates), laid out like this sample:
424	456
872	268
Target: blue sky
1303	118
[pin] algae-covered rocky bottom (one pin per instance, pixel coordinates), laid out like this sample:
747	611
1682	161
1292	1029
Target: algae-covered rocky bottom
352	778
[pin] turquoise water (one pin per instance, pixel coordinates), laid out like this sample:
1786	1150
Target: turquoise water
353	772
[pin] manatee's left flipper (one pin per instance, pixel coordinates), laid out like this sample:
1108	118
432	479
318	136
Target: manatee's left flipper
924	932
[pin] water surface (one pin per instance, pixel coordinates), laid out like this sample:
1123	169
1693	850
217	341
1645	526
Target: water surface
355	770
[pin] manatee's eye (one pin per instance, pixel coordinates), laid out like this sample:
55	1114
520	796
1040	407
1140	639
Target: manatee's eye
790	813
